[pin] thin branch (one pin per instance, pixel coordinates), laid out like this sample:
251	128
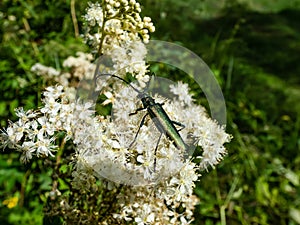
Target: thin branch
74	19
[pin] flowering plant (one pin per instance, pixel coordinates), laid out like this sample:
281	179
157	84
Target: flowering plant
122	171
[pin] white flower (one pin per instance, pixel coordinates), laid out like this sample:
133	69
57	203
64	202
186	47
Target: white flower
94	14
185	182
182	91
25	115
51	107
54	92
146	161
122	23
28	148
82	66
46	128
145	216
129	58
16	131
110	98
45	147
42	70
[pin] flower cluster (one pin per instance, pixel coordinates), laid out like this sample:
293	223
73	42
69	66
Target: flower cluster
140	164
149	177
35	131
115	23
75	69
115	29
102	147
129	58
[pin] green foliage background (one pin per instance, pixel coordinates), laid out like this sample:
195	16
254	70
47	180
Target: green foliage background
253	49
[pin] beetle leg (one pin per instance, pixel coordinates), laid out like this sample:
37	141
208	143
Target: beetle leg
156	151
179	124
141	124
136	111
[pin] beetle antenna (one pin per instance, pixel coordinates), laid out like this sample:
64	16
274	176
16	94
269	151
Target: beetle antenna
120	78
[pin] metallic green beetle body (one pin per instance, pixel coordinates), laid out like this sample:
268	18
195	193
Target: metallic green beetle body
162	121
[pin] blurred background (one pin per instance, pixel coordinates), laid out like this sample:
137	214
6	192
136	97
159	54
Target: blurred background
253	48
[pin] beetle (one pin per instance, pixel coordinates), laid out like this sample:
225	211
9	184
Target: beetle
160	118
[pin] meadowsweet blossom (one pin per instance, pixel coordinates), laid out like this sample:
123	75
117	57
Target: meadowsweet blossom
130	58
138	173
138	164
94	14
203	131
42	70
82	66
114	23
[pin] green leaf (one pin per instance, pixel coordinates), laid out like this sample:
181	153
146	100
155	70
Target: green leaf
295	214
